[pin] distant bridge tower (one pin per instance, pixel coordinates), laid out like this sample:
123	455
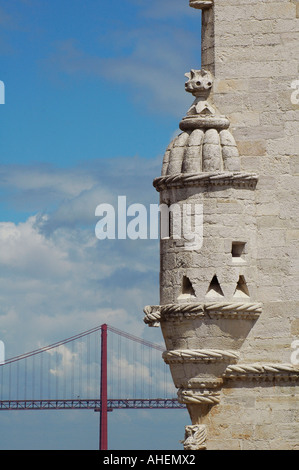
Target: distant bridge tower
229	306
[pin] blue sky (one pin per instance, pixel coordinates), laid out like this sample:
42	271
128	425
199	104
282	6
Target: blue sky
94	92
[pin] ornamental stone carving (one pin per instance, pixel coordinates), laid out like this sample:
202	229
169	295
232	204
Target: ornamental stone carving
198	397
206	145
195	437
199	85
200	356
178	312
262	372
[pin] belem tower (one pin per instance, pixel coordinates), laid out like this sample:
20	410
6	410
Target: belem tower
229	308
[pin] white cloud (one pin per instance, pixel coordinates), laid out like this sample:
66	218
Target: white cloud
27	251
57	279
39	186
36	177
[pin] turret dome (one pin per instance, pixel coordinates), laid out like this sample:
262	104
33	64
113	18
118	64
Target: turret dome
206	144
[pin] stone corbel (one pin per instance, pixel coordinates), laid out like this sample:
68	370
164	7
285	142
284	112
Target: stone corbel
195	437
200	4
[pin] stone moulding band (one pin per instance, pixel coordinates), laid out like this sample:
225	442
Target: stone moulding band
199	356
262	372
234	310
178	312
198	397
203	383
182	308
235	179
207	122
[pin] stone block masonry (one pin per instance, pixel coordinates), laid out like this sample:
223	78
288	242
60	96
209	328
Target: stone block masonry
229	311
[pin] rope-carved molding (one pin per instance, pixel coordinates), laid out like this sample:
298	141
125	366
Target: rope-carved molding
199	355
242	310
249	372
236	179
182	308
198	397
234	309
152	315
262	372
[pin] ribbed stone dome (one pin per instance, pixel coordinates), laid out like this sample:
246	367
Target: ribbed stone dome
201	150
206	144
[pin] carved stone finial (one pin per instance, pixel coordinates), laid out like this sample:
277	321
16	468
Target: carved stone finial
195	437
206	144
199	84
199	4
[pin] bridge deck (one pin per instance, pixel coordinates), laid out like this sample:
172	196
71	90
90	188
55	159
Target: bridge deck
82	404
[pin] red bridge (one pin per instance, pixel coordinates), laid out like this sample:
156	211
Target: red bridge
88	371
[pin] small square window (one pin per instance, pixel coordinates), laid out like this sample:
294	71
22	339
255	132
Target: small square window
238	249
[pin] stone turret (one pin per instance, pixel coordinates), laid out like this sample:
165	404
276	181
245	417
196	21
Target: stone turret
229	307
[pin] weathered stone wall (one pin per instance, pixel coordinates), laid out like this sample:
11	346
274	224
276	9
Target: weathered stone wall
258	417
252	47
256	50
228	216
230	352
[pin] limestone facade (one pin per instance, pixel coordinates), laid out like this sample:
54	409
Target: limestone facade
229	309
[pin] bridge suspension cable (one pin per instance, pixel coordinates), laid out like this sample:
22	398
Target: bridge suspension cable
70	369
86	371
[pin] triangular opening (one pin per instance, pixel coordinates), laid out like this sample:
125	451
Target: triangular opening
187	288
241	289
214	289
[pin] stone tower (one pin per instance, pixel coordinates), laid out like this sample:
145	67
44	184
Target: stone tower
229	306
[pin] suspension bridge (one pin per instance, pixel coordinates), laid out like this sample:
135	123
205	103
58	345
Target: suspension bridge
101	369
